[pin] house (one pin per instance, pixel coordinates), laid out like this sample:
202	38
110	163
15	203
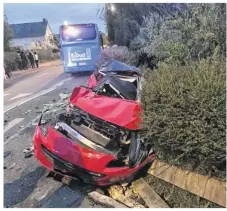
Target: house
31	35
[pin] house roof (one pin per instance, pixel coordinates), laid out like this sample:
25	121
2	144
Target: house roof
25	30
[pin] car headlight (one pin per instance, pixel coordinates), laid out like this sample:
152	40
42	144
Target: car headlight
43	126
44	130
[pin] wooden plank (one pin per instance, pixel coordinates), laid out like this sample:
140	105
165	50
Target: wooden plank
203	186
152	199
116	193
97	197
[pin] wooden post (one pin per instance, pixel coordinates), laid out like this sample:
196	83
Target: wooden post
152	199
116	192
97	197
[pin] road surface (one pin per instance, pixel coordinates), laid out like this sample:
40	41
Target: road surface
25	182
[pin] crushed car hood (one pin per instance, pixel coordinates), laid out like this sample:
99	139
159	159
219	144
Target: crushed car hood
124	113
117	66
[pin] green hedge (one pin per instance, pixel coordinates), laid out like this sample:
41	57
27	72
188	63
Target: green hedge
9	61
47	55
184	115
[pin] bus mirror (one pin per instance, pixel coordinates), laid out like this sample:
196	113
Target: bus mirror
101	40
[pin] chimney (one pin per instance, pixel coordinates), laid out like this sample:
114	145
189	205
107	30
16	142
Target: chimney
45	20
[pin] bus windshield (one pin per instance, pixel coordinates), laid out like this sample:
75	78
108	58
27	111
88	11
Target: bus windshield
78	32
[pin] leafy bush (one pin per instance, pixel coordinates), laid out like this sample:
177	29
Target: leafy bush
184	115
192	36
120	53
9	61
124	23
47	55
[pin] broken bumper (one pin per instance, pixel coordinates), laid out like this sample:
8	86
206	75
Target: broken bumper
61	155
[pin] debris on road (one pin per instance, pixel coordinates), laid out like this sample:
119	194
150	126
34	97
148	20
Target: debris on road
28	111
18	168
47	107
117	193
64	96
7	153
12	166
28	155
28	149
105	200
66	180
43	121
28	152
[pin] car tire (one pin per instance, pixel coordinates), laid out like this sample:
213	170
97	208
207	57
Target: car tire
134	151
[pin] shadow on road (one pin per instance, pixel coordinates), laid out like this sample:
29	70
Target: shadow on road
82	73
65	197
72	195
20	189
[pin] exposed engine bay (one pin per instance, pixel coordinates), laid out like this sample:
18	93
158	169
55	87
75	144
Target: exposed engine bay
91	132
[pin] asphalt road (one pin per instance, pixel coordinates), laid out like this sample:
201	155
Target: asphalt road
26	183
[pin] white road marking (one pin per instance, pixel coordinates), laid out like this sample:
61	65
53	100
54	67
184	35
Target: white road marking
34	122
20	96
17	134
15	104
6	94
13	123
41	75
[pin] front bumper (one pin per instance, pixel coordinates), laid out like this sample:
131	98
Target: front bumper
61	155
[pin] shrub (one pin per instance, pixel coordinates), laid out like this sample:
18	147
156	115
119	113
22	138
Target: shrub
192	36
184	115
47	55
120	53
45	51
9	61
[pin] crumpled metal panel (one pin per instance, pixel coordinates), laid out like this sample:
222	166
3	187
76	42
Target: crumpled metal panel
92	82
124	113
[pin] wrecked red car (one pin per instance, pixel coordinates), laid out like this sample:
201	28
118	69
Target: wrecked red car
98	138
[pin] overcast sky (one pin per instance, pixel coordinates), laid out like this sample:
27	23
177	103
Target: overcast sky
54	13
